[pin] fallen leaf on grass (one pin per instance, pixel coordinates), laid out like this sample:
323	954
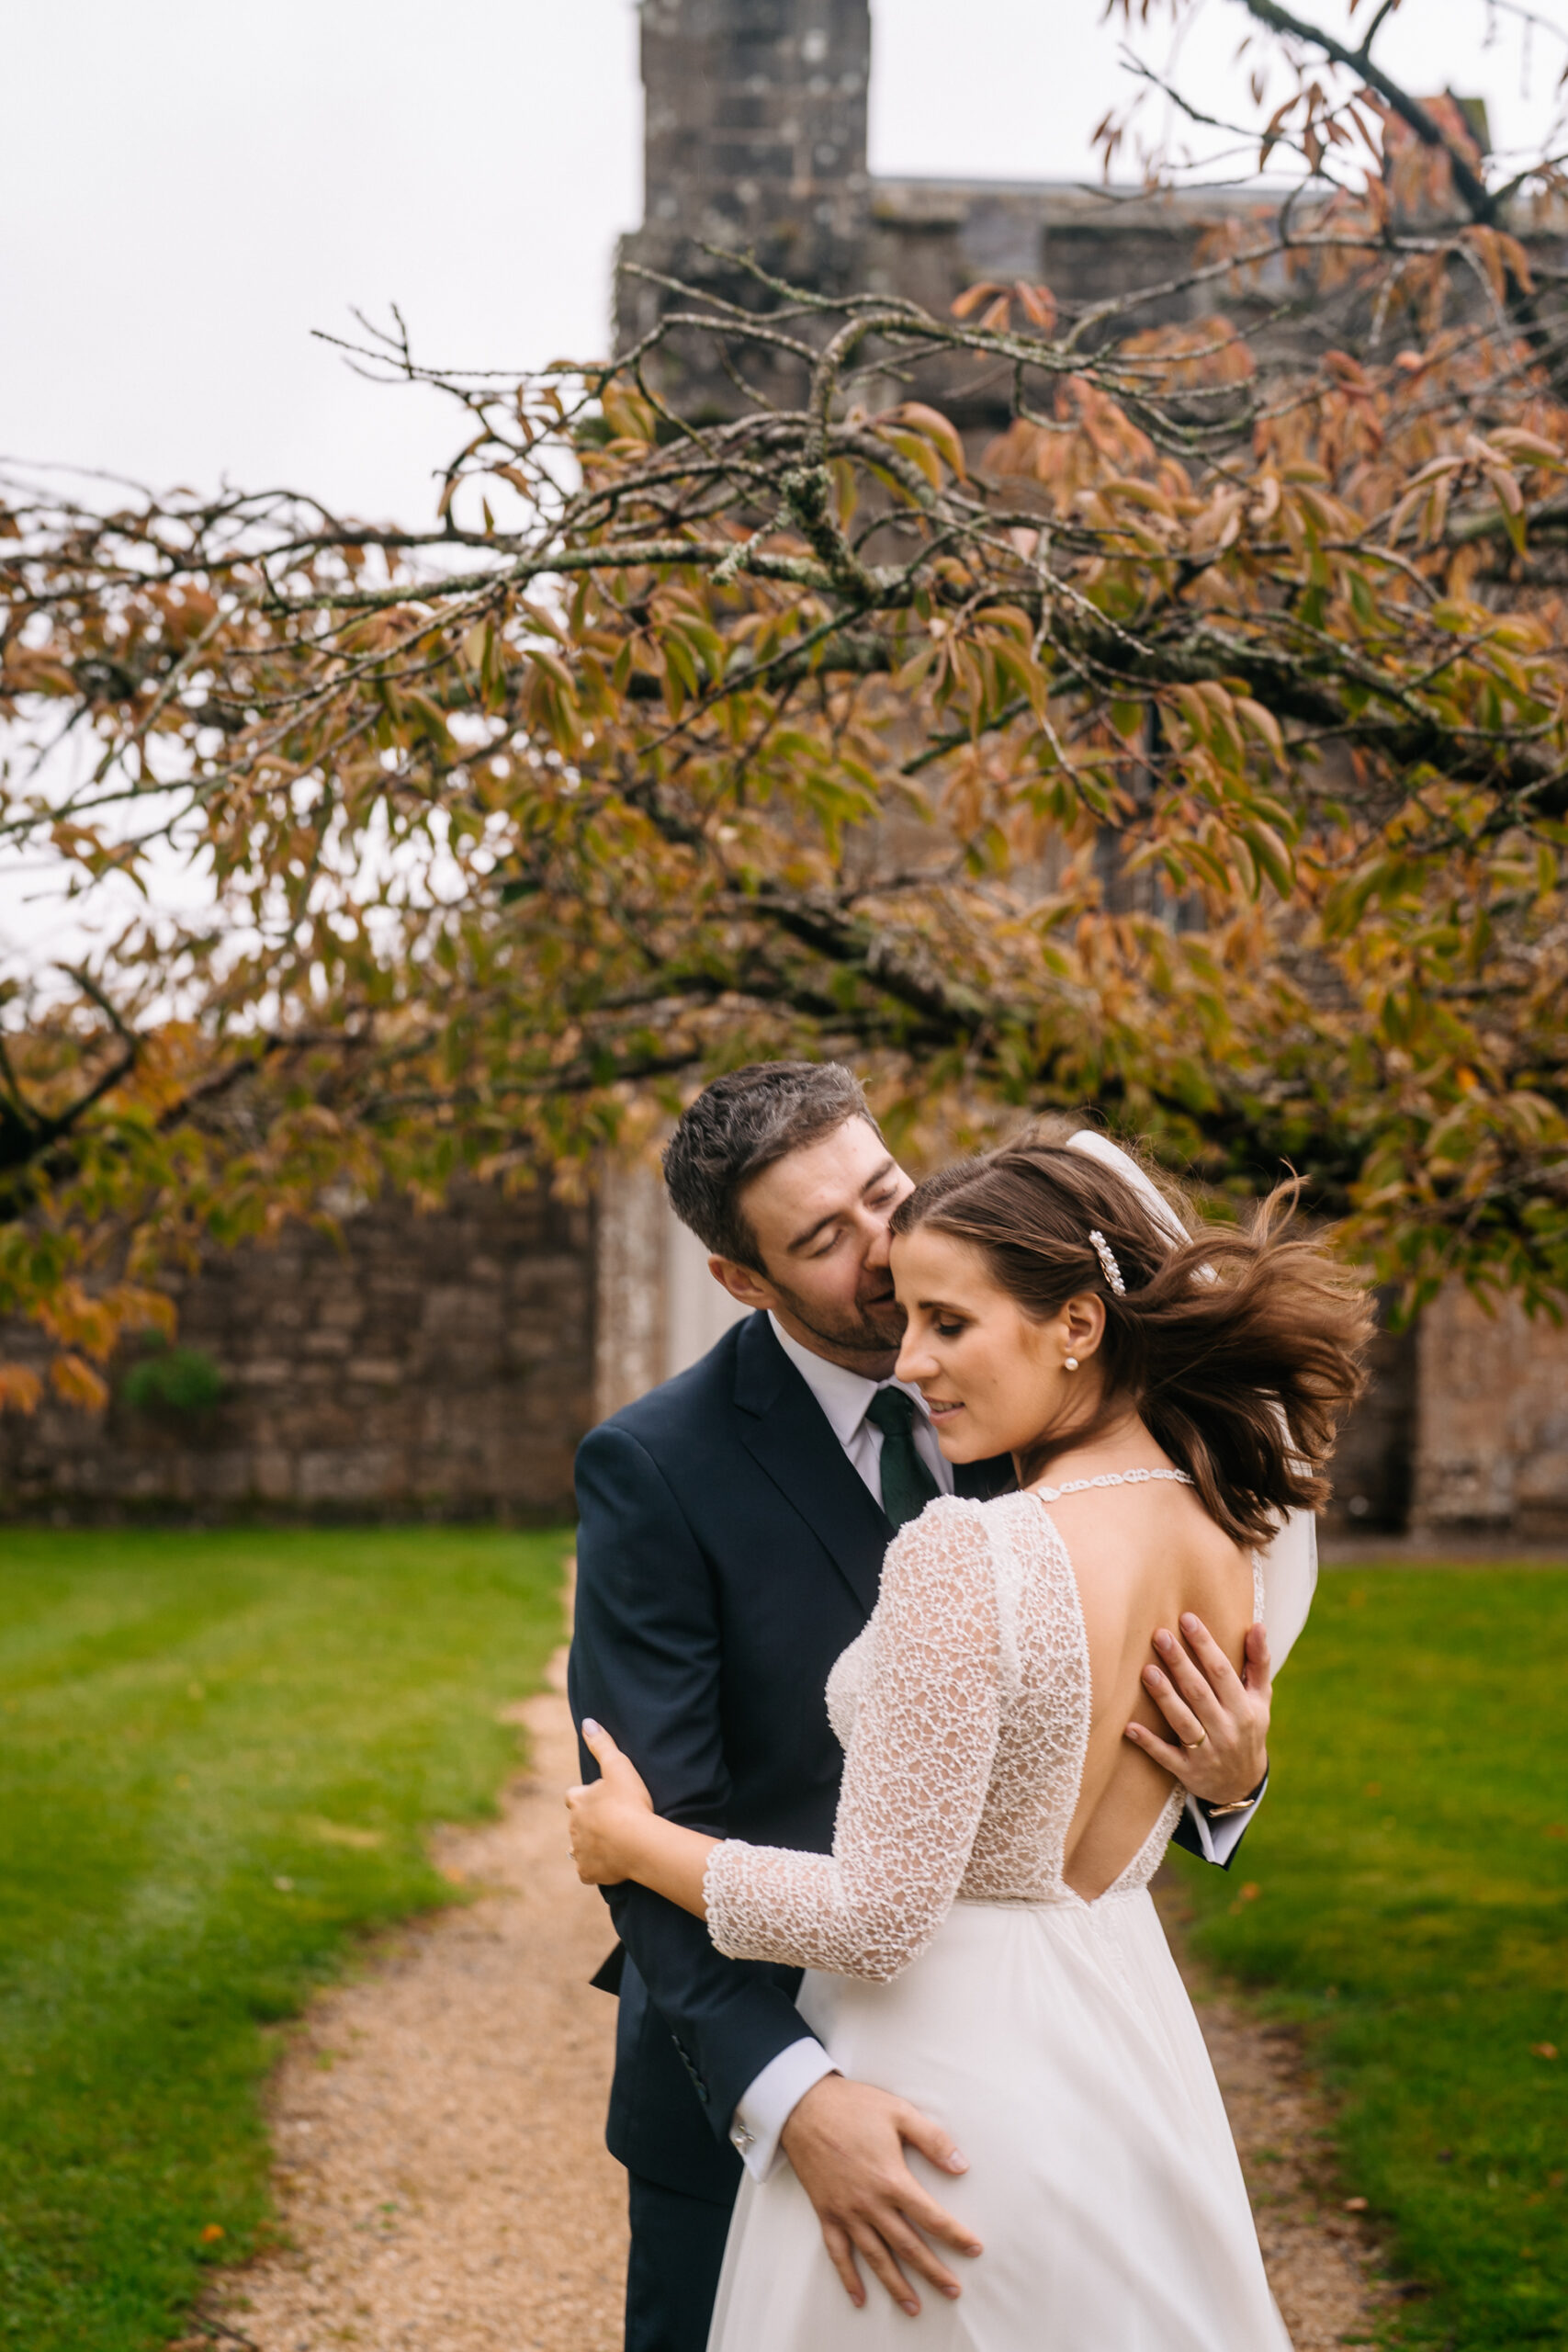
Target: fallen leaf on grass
343	1833
1543	2049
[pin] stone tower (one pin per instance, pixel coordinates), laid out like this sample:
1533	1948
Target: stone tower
755	141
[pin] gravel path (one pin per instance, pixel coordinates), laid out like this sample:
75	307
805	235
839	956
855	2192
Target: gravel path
441	2171
1321	2259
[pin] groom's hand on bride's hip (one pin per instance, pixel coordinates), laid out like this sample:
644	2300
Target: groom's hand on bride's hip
846	2142
1220	1721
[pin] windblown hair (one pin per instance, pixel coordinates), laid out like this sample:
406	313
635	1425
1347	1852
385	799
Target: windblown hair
741	1125
1241	1351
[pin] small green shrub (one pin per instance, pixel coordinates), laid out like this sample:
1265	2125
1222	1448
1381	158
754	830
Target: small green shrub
173	1380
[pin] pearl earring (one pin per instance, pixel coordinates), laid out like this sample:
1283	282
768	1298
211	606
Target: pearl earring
1069	1363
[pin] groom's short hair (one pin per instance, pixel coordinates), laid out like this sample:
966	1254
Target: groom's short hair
743	1122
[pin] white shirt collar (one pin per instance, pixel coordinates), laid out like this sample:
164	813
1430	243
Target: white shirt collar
842	1394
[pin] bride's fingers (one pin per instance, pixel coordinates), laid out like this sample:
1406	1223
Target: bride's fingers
618	1774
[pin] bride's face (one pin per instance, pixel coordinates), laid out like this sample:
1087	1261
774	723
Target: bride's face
992	1377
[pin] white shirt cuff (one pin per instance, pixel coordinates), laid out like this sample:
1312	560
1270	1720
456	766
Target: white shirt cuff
767	2104
1219	1838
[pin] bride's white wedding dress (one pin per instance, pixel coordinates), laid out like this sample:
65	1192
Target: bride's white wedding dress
948	1962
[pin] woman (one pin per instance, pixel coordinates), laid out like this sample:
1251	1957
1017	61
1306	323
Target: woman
981	1938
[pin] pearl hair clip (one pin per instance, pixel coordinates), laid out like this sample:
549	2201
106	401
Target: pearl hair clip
1107	1257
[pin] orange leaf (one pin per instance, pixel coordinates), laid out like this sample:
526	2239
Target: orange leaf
1039	305
19	1388
936	427
78	1383
965	305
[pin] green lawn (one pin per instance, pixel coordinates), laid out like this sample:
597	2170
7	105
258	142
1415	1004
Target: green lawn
217	1753
1404	1895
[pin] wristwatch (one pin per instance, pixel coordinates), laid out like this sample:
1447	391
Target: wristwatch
1236	1805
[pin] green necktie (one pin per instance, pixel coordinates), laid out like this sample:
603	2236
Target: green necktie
906	1484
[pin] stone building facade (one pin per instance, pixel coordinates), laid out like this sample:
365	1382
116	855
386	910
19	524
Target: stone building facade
757	143
1490	1442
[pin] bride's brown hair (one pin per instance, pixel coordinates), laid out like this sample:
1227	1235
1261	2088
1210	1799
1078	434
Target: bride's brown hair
1241	1351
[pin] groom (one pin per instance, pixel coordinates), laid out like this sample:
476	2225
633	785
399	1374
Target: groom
732	1529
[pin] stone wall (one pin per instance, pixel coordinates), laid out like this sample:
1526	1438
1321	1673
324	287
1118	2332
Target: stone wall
658	1307
438	1365
1492	1441
1373	1466
445	1366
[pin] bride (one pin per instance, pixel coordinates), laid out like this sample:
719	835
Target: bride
981	1940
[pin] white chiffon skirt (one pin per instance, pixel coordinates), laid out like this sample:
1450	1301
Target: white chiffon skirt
1057	2044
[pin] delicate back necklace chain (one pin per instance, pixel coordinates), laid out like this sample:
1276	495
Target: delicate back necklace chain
1108	1478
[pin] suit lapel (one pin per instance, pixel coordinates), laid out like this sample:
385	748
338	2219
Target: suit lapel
786	1432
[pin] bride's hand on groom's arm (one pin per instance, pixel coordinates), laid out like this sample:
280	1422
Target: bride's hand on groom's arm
616	1835
846	2142
1220	1721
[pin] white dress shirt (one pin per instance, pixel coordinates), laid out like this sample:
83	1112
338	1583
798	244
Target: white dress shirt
767	2103
844	1396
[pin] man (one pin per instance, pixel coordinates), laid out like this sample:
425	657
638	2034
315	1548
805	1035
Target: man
732	1529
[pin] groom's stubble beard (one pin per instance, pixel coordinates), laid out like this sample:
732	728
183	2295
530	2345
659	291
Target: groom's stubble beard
876	1328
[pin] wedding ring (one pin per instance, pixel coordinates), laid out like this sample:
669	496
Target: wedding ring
1190	1744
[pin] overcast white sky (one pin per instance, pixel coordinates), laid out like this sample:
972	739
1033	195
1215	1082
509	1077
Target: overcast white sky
188	186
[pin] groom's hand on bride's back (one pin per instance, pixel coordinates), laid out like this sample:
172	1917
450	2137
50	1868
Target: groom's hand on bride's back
1220	1724
846	2142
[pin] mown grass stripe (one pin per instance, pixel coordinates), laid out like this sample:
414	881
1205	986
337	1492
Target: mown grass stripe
1405	1896
219	1754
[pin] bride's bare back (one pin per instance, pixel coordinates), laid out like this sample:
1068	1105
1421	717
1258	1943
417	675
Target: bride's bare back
1142	1555
975	1709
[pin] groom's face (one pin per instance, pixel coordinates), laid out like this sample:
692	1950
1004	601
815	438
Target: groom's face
820	1220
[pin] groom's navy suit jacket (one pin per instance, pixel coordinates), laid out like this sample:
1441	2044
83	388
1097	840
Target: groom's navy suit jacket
728	1552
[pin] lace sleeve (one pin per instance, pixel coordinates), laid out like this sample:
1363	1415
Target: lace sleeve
915	1776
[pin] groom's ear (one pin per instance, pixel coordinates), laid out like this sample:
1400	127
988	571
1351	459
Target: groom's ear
744	1284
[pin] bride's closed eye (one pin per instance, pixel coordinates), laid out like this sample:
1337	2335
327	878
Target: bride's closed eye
948	1331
